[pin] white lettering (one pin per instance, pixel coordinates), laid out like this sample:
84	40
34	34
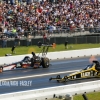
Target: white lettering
14	83
25	83
4	83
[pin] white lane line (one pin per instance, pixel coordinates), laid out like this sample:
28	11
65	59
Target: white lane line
15	78
73	61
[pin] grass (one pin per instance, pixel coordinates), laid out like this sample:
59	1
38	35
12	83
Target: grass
27	50
90	96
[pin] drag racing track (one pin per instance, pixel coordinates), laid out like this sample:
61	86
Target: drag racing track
40	77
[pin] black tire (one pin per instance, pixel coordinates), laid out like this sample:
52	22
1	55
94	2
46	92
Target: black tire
45	62
32	62
98	73
50	79
58	77
65	79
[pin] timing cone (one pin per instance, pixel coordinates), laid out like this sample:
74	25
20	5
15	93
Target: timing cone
54	45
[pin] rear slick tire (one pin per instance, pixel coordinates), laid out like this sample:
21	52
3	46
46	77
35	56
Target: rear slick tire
58	77
45	62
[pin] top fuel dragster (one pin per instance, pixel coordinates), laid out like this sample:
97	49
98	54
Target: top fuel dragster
27	62
90	71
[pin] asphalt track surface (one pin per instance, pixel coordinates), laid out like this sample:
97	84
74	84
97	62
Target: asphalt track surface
39	78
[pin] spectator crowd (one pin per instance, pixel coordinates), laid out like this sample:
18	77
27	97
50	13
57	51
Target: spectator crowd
20	19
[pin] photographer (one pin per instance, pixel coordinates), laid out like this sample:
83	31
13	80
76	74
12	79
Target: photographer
17	41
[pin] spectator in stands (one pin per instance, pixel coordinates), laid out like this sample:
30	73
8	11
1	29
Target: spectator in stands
7	32
1	30
91	26
14	32
20	1
45	15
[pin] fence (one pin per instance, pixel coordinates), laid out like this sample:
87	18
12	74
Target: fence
64	31
58	36
57	40
58	32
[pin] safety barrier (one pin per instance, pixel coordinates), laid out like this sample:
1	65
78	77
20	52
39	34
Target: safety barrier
46	93
54	55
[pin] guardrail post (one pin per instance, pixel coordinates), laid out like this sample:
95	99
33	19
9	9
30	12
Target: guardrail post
84	96
54	95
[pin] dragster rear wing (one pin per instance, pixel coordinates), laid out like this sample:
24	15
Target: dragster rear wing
45	48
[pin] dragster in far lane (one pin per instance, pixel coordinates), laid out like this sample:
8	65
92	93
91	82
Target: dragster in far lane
90	71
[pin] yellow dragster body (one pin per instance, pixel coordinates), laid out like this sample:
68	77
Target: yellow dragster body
92	70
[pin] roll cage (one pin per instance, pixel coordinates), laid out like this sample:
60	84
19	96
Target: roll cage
97	66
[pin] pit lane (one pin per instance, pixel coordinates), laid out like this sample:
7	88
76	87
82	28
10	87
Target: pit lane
43	80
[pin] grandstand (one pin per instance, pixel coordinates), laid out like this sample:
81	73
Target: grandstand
62	18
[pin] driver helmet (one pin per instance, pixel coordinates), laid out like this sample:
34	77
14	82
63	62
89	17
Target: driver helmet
33	53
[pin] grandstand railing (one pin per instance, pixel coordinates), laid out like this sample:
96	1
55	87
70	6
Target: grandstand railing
66	31
58	36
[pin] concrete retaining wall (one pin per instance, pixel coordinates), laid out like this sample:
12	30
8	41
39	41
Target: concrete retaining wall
54	55
42	94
